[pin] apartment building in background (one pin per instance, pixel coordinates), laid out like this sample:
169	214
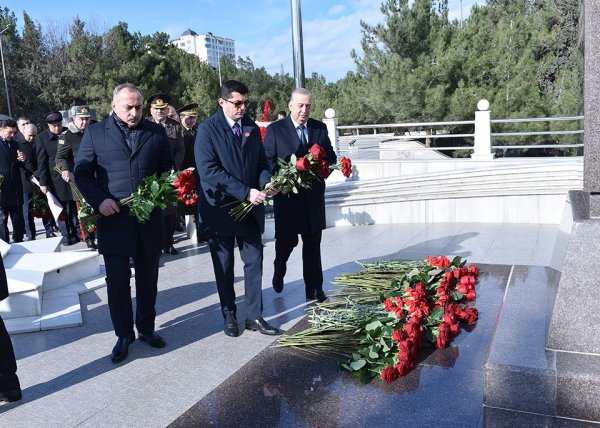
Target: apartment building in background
207	47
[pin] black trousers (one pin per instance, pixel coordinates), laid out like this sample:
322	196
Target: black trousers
71	219
118	275
170	222
251	252
18	223
312	271
8	362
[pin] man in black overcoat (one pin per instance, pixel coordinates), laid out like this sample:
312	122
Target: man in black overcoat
10	389
233	168
302	213
115	156
12	161
46	146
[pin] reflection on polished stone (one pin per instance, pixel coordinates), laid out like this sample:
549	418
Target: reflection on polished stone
287	388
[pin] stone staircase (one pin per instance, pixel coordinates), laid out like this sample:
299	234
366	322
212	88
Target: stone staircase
497	193
44	284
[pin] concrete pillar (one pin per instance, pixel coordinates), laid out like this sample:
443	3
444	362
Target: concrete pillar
332	122
483	132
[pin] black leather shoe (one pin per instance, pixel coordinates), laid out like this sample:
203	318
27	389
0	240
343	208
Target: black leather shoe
173	251
121	349
153	339
319	296
277	284
91	244
10	395
231	327
261	326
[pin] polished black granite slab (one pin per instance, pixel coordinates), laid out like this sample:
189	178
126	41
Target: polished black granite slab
287	388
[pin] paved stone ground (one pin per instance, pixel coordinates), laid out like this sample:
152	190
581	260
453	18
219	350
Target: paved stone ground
68	379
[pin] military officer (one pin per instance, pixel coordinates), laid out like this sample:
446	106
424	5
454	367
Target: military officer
67	153
187	117
46	146
158	110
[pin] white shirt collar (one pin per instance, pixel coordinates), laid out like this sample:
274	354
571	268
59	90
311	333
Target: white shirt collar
231	122
296	125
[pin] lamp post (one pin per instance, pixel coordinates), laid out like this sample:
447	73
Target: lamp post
218	54
4	71
298	50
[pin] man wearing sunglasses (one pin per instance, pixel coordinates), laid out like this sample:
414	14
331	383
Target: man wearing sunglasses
233	168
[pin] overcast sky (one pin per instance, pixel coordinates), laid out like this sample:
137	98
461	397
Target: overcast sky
261	28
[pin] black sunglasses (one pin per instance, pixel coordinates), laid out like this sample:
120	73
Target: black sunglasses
238	104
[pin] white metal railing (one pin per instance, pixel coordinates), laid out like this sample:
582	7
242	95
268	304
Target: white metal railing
482	133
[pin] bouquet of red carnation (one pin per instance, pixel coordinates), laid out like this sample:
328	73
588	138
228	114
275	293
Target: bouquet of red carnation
185	183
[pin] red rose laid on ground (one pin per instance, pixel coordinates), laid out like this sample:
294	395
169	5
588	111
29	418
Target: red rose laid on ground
386	315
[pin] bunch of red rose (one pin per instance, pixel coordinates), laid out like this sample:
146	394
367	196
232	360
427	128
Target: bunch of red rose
441	309
298	173
316	162
185	183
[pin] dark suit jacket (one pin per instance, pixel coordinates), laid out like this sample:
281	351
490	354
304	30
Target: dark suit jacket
30	166
107	168
46	146
174	132
11	192
303	212
228	171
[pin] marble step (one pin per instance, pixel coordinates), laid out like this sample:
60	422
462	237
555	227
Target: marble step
506	194
466	183
58	269
520	374
60	308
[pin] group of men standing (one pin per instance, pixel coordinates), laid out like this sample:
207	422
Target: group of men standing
233	164
27	157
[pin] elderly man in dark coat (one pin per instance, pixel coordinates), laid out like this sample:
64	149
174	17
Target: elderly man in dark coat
233	168
28	149
10	389
115	156
302	213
